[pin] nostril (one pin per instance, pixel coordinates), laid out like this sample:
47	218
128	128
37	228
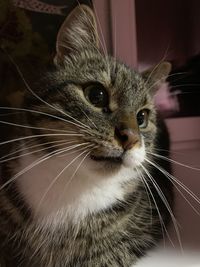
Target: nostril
121	135
126	137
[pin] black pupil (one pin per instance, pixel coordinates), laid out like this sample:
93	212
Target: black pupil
141	117
98	96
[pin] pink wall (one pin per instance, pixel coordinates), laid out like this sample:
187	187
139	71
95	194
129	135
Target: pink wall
146	32
124	36
167	28
117	22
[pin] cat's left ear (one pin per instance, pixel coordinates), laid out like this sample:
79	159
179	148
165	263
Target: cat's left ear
78	32
157	75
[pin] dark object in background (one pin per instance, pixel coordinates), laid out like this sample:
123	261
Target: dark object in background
28	35
48	24
186	80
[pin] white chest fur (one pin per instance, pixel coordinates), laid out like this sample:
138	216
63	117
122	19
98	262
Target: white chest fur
56	193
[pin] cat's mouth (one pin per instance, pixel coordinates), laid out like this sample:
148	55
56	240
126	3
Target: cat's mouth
130	158
117	160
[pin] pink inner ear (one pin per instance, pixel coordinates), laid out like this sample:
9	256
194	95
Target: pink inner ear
166	101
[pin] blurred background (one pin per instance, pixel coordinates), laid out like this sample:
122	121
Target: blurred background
141	34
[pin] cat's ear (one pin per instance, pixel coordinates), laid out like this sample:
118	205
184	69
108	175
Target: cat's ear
157	75
79	31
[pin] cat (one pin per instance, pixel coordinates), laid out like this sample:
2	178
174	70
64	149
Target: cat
78	185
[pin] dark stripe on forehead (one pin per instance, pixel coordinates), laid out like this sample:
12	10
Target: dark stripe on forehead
53	87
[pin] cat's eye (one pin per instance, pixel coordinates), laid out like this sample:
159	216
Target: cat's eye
142	118
97	95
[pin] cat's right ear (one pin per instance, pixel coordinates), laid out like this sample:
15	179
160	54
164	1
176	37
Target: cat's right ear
155	76
78	32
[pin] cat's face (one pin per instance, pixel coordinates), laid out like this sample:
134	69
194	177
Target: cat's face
106	109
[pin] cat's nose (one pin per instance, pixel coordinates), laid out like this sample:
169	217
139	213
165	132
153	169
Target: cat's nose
126	137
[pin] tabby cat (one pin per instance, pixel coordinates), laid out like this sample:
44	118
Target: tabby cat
78	184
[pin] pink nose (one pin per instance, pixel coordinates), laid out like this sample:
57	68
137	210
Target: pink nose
127	138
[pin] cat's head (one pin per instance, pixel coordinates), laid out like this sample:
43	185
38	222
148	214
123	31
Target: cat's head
96	104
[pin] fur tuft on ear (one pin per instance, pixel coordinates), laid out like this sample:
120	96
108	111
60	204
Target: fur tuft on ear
157	75
79	31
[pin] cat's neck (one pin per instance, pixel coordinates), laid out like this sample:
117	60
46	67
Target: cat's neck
56	193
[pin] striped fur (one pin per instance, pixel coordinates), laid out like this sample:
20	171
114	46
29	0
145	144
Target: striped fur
113	236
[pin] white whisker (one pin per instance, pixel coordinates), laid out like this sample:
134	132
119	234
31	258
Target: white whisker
38	97
45	114
32	127
174	161
32	165
77	150
38	151
89	118
102	42
57	177
34	146
77	168
166	203
163	227
174	179
163	78
36	136
146	189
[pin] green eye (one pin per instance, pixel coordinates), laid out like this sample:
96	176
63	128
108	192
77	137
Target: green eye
142	118
97	95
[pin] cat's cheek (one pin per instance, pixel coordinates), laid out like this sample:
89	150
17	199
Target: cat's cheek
134	157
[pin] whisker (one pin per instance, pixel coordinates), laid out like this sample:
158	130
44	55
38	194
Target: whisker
185	85
115	36
32	165
32	127
45	114
77	168
89	118
169	151
146	189
156	66
166	203
174	161
181	193
163	227
161	194
36	136
38	97
163	78
57	177
77	150
63	95
171	177
37	151
102	42
177	188
151	73
30	147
